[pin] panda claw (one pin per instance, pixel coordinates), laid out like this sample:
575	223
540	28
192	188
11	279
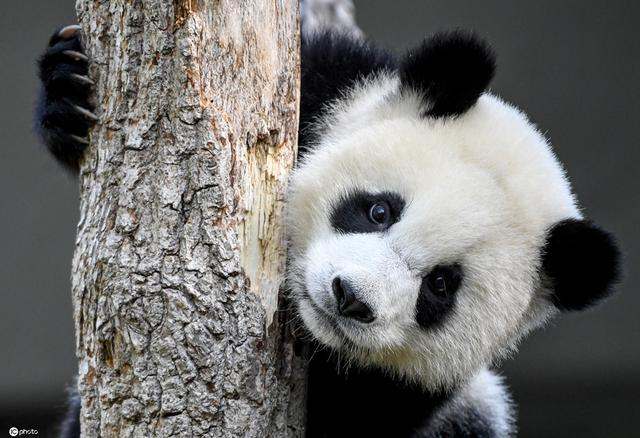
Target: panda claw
69	32
82	79
85	112
76	56
81	140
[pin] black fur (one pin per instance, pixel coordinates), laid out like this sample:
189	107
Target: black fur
356	402
331	63
350	215
583	263
468	423
56	120
433	307
451	70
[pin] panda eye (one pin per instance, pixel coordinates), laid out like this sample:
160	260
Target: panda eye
379	213
444	280
439	285
363	212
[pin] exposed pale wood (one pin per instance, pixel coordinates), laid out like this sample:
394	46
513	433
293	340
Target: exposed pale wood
179	253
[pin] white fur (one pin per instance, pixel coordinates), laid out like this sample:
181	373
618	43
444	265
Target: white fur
487	393
481	190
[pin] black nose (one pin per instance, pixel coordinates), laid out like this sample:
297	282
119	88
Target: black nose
348	304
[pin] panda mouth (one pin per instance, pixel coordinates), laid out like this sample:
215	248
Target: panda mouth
319	312
343	328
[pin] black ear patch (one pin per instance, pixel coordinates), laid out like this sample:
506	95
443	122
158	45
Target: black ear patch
583	263
451	70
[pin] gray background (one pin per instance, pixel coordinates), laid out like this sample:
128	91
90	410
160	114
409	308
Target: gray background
572	65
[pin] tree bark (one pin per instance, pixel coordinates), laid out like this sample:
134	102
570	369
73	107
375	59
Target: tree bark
179	254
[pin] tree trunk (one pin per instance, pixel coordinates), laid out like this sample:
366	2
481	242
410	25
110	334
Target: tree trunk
179	254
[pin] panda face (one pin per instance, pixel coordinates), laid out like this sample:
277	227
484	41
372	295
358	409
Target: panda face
415	243
430	225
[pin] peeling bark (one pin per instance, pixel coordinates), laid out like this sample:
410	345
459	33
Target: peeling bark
179	252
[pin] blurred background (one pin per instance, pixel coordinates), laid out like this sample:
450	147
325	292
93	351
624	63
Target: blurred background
572	65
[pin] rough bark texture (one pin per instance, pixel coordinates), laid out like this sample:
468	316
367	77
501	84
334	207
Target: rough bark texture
179	252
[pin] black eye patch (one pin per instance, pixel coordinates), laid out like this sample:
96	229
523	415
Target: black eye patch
438	295
363	212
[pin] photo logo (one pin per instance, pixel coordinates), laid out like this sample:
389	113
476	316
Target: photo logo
15	432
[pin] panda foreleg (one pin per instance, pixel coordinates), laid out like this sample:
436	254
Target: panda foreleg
64	113
483	409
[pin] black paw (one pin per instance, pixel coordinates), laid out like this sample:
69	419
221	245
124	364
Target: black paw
64	113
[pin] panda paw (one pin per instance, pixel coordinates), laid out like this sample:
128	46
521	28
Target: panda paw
64	112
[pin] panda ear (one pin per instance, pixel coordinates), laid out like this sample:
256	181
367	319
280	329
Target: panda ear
582	262
450	70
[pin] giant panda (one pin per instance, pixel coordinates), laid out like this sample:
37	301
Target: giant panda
430	228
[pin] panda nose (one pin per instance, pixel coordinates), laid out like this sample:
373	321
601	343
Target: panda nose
348	304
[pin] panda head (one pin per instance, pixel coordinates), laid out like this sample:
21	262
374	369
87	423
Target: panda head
432	227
